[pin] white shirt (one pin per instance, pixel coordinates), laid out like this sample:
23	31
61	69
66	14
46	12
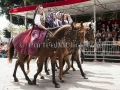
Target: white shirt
37	19
70	20
58	21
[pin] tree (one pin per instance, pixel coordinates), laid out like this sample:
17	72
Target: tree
7	4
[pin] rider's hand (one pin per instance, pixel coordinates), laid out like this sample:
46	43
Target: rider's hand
46	29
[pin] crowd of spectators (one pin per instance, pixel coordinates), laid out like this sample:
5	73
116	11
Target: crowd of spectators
3	49
107	32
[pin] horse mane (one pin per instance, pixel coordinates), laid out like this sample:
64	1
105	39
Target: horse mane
53	29
61	31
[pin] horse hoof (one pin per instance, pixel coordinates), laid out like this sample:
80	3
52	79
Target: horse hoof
42	77
74	69
48	69
34	82
63	81
67	73
47	73
57	86
15	80
30	83
85	77
58	68
27	72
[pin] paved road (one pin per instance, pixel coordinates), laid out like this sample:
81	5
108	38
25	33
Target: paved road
102	76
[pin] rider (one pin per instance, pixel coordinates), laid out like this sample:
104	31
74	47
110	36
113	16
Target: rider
39	18
52	20
66	19
59	18
39	30
27	42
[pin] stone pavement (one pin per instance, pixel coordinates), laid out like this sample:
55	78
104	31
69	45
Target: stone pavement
101	76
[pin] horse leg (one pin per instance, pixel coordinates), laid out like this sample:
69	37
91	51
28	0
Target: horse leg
28	69
14	73
40	62
83	57
67	59
63	63
72	58
45	64
56	65
41	76
61	68
53	60
81	70
27	78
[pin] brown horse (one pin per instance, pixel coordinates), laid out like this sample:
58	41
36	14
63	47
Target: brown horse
81	31
43	52
62	53
87	35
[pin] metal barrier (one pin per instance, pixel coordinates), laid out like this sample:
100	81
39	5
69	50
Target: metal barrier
108	50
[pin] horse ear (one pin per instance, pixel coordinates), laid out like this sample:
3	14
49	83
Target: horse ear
90	26
73	24
81	23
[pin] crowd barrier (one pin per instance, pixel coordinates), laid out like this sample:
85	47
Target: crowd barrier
108	50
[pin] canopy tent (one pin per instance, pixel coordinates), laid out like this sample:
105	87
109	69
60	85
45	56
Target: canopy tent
73	7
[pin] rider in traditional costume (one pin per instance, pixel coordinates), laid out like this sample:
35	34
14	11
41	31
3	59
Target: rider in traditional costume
29	41
59	18
66	19
52	20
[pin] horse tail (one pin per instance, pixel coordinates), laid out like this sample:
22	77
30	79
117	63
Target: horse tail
10	51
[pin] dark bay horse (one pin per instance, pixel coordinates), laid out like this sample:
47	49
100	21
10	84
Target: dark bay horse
82	32
62	53
81	37
43	52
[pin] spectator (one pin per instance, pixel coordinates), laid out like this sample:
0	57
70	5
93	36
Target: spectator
3	49
103	38
109	38
107	28
99	24
114	33
108	32
98	33
113	27
110	26
98	38
118	34
103	27
116	26
103	32
113	18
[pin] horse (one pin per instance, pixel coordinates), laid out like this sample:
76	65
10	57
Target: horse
43	52
63	54
83	32
89	36
80	37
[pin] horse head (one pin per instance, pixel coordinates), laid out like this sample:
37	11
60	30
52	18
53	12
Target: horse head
84	31
79	28
73	32
89	35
